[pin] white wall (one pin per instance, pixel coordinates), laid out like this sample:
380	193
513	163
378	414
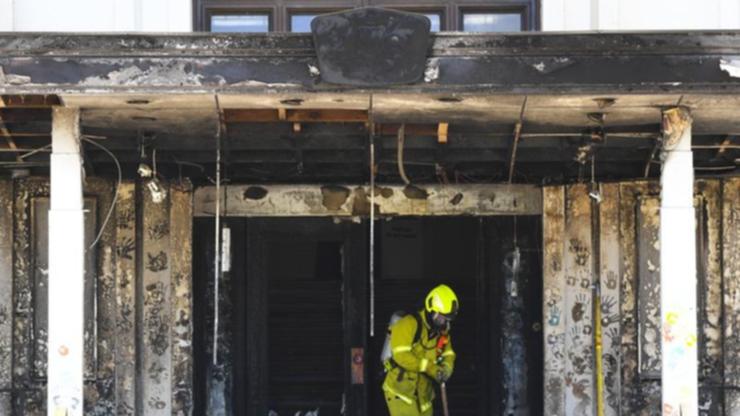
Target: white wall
96	15
176	15
640	14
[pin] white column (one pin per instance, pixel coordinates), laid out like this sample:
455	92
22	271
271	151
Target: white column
66	267
678	268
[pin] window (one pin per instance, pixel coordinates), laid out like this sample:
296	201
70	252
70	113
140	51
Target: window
239	22
480	21
301	22
436	20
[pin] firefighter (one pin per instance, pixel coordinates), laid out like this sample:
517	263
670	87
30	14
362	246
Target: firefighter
422	355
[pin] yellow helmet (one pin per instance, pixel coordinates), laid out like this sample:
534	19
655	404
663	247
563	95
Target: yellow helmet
442	300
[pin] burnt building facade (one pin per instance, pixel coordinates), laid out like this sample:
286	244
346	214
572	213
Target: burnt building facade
523	169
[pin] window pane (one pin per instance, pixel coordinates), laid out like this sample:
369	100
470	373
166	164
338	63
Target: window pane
240	23
301	22
492	22
435	19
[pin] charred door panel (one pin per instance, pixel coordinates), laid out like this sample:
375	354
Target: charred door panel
297	344
513	256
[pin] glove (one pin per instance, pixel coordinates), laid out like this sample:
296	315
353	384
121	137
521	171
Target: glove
439	372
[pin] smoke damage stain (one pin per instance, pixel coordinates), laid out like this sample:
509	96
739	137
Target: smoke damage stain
157	324
456	199
157	262
579	249
255	193
414	192
159	230
383	191
333	197
126	249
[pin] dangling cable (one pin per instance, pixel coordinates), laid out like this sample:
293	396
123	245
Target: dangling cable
217	242
371	254
115	195
595	196
399	154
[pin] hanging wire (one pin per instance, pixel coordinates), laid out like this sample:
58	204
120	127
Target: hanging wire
371	254
115	195
217	240
399	154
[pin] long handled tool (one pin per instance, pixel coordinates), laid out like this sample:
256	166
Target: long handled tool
443	390
441	343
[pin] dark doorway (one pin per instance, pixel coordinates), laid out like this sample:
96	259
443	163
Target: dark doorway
304	286
296	306
497	335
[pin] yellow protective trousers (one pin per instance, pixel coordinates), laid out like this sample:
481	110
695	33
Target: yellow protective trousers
398	407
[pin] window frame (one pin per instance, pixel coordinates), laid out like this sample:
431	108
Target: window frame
523	10
451	12
291	11
425	9
210	11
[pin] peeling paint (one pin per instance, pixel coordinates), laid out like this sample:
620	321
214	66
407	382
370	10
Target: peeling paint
166	73
710	318
13	79
548	66
648	308
431	73
731	66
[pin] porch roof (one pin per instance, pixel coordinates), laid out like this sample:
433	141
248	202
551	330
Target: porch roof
582	91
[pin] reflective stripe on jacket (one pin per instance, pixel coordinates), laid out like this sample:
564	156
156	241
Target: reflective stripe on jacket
412	376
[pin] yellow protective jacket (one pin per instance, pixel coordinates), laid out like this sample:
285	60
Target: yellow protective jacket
414	365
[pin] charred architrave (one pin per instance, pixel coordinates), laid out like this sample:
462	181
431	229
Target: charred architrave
342	201
652	62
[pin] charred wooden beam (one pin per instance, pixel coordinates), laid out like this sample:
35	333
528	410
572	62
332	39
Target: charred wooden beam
24	115
8	138
295	116
29	101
